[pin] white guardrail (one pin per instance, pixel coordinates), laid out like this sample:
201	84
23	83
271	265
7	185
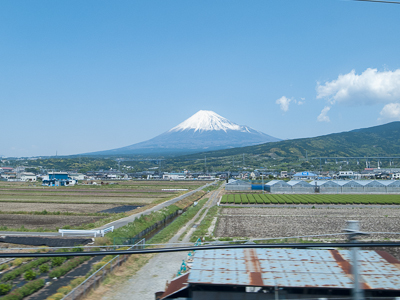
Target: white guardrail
94	233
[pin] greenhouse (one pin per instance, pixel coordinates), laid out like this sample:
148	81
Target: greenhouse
301	187
278	186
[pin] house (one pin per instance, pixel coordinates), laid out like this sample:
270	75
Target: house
58	179
28	176
6	169
77	176
284	174
304	175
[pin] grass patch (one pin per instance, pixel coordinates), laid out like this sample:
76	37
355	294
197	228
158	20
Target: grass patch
145	221
167	233
202	229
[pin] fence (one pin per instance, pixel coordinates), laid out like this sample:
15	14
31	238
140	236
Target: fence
94	280
95	233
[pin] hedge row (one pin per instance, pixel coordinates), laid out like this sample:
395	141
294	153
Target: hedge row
26	290
22	269
310	199
68	266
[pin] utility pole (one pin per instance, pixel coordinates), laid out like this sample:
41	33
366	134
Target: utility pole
262	178
354	230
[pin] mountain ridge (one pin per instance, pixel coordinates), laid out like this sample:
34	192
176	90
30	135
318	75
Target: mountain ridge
370	141
205	130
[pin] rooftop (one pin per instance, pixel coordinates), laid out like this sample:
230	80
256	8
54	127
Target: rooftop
294	268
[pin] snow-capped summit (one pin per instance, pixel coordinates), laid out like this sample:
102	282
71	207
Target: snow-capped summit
204	131
206	120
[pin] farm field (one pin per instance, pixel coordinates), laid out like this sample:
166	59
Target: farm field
53	207
50	222
286	222
34	206
310	199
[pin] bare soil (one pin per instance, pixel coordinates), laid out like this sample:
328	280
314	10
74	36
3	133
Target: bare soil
53	207
287	222
44	221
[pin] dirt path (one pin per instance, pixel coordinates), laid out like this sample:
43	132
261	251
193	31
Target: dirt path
162	267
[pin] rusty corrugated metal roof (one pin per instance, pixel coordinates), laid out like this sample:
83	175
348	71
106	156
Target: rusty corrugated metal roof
293	268
176	285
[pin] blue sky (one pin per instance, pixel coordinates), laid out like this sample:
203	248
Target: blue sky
82	76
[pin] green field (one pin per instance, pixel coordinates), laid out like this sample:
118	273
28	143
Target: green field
309	199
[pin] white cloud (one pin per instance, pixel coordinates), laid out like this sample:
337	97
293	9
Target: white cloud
370	87
322	116
390	111
283	103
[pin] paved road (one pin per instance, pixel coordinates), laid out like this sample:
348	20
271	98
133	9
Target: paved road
117	223
152	277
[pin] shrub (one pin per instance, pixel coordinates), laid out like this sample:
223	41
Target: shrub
17	262
258	199
288	201
5	288
14	295
64	289
22	269
266	199
30	275
44	268
57	296
224	199
25	290
98	266
31	287
69	265
251	198
238	200
58	261
77	281
4	267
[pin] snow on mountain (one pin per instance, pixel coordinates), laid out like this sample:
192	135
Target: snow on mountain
207	120
204	131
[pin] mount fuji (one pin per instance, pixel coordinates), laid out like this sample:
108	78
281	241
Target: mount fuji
204	131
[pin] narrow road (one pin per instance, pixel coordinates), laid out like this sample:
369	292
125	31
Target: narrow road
152	277
116	224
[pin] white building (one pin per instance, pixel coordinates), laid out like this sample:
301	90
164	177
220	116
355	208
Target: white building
27	176
174	176
77	176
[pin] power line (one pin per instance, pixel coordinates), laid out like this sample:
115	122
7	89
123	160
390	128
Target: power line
379	1
208	247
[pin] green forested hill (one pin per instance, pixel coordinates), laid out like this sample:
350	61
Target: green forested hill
383	140
373	141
